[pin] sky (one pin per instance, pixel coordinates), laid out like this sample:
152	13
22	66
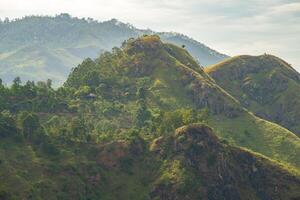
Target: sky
232	27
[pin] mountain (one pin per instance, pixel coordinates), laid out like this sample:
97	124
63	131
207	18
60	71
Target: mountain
144	121
266	85
171	80
37	48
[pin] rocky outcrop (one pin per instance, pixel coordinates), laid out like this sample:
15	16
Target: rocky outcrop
218	171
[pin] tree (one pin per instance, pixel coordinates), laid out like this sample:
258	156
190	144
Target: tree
29	90
49	83
3	96
29	124
92	79
103	90
64	16
7	124
141	93
53	126
15	88
17	81
172	120
78	129
188	116
142	114
6	20
83	91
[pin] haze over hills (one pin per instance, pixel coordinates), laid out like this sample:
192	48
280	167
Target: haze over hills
41	47
116	130
265	84
95	108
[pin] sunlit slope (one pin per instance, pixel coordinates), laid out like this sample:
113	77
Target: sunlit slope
266	85
173	80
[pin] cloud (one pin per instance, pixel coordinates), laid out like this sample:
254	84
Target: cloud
287	8
230	26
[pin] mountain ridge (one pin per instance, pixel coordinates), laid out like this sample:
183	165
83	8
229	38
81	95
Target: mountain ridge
69	35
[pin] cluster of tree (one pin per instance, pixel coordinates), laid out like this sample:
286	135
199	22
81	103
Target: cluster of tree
39	97
26	127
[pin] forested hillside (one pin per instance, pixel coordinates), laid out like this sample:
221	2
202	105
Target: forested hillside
144	120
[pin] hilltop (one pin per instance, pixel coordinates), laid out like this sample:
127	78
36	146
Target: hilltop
41	47
266	85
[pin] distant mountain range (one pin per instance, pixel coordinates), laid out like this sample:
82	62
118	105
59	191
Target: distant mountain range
42	47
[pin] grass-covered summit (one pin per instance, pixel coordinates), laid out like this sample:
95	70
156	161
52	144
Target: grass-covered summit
266	85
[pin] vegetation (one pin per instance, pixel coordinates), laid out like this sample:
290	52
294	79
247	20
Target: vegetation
266	85
111	128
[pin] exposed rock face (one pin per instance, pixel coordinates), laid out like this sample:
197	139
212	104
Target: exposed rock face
219	171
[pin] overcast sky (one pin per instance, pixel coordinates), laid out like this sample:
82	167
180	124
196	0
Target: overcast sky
229	26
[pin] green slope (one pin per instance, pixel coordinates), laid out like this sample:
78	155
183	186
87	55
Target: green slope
172	80
266	85
38	63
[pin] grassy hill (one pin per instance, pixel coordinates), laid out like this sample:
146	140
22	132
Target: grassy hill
48	47
172	80
266	85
